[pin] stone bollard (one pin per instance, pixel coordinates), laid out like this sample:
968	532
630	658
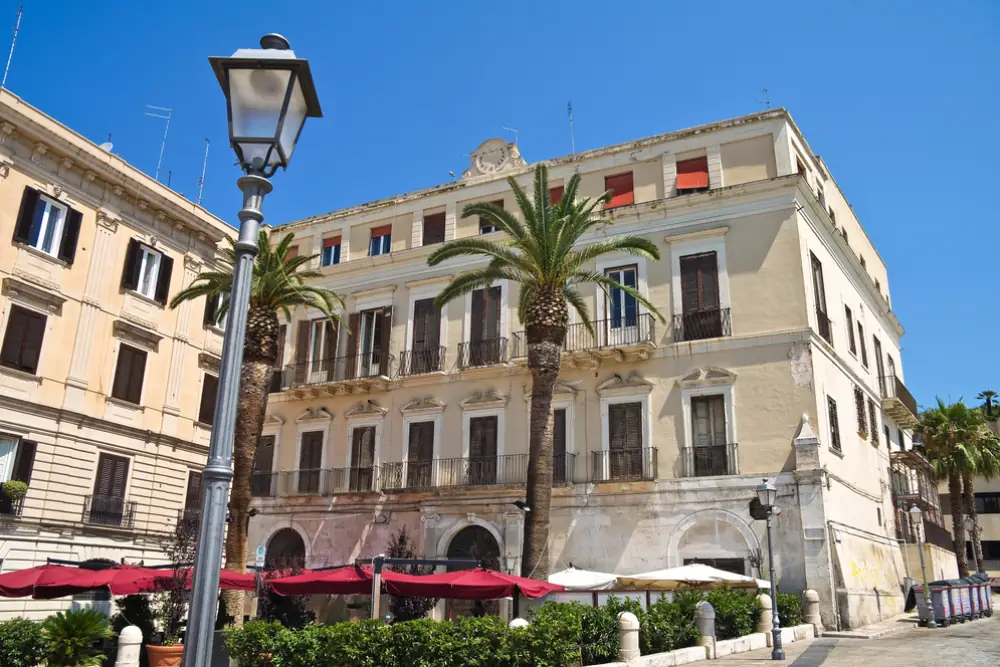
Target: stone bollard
810	611
765	624
704	619
129	647
628	630
518	623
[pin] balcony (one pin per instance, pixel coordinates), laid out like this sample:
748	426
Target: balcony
328	482
109	511
711	460
898	402
823	324
509	469
913	483
613	337
366	371
10	507
421	362
623	465
263	484
702	324
188	520
564	468
480	353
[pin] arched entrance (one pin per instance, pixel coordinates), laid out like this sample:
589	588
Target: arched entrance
286	549
477	543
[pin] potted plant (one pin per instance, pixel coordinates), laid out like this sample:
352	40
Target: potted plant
72	638
172	600
14	490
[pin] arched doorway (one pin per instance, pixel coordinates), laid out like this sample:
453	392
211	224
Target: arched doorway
477	543
286	549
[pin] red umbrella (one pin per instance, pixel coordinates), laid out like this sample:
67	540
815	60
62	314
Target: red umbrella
477	584
21	583
157	579
350	580
122	580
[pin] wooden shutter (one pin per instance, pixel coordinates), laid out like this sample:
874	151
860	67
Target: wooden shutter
492	313
25	215
71	234
129	374
363	447
330	242
622	191
381	230
482	437
477	325
864	346
279	359
556	194
426	325
385	336
302	350
692	174
819	289
22	343
616	426
850	330
879	366
421	447
699	282
192	499
433	229
209	389
834	423
311	453
263	457
130	273
633	425
559	432
112	476
211	308
163	279
24	461
708	417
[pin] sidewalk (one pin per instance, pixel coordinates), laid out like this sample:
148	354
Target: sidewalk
887	627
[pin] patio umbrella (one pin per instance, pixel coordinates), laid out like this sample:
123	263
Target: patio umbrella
695	575
573	579
158	579
21	583
477	584
350	580
122	580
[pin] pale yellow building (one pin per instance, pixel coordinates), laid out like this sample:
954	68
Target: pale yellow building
103	408
779	358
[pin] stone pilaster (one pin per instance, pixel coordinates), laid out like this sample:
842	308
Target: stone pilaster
180	341
450	221
417	236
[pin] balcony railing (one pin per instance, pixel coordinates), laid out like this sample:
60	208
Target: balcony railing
630	330
327	482
701	324
564	468
509	469
897	401
623	465
709	460
823	323
264	484
419	362
10	507
188	519
478	353
323	371
109	511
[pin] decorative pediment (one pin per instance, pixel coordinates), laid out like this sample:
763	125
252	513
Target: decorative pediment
315	414
209	362
136	334
424	404
632	384
561	390
367	409
707	377
484	399
494	156
274	420
37	295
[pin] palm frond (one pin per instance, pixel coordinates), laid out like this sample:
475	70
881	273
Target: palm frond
470	281
608	285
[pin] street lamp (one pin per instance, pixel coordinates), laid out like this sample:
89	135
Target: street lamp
269	94
767	494
917	525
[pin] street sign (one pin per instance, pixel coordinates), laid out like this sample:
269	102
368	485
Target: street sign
261	552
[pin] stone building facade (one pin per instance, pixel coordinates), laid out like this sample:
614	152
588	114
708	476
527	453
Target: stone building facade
779	358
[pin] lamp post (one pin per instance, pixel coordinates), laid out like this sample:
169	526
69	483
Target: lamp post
767	494
917	525
269	94
515	611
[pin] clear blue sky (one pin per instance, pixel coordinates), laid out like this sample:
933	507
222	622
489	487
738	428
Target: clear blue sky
902	99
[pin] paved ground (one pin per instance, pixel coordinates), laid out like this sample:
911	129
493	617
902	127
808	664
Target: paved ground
975	644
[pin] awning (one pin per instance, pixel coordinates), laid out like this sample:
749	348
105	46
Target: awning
573	579
21	583
53	581
477	584
350	580
695	575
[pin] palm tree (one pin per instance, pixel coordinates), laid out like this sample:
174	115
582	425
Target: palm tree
984	447
989	396
278	285
539	254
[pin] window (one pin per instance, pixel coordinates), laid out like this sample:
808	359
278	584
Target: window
878	286
487	226
885	432
330	254
622	192
623	308
276	375
625	440
310	462
362	458
425	350
863	264
482	463
859	405
852	344
324	346
991	549
556	194
17	459
843	232
107	506
988	503
129	374
864	348
692	175
820	195
702	317
369	341
381	243
878	515
433	229
819	295
293	251
833	217
47	225
831	407
708	419
902	442
209	388
22	343
560	464
215	315
879	367
486	344
192	499
799	167
147	272
420	455
263	460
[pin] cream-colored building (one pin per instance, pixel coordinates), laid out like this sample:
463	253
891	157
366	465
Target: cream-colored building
101	384
777	307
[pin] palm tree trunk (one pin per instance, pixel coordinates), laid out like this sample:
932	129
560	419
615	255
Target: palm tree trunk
958	523
969	500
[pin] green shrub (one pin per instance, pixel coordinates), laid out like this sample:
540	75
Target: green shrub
22	643
553	639
253	644
14	489
736	612
71	638
789	609
599	629
668	626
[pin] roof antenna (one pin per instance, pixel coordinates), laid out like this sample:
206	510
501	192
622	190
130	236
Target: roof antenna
169	113
514	130
204	165
107	145
17	27
572	139
767	99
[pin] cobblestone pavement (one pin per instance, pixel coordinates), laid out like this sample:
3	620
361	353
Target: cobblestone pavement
975	644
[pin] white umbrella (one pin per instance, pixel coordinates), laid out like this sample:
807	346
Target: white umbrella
695	575
583	580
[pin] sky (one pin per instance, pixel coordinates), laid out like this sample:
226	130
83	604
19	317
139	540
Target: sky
901	99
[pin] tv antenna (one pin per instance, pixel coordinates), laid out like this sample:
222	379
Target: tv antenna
204	166
166	116
10	57
107	145
767	99
572	139
514	130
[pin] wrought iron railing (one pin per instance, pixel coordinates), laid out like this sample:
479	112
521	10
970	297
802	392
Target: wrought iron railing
823	323
623	465
477	353
109	511
700	324
623	331
508	469
188	519
564	468
708	460
418	362
893	387
263	484
322	371
10	507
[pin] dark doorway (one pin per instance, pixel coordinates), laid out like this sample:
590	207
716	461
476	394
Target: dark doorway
477	543
286	549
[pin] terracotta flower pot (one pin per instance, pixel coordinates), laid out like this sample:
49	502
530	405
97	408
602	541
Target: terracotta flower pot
165	656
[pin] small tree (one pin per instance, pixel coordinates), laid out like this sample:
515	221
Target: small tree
291	611
172	600
409	608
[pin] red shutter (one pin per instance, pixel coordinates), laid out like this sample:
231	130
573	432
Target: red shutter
293	251
556	193
692	174
622	192
433	229
332	241
381	230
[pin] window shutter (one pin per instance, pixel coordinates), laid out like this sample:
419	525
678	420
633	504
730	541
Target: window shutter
433	229
556	194
192	499
16	327
493	313
622	191
689	284
310	458
279	359
616	427
163	279
416	430
119	477
559	432
427	441
477	327
264	455
137	376
302	350
112	476
25	215
692	174
209	388
130	273
24	462
384	338
490	437
381	230
332	241
476	437
32	345
211	308
71	233
633	426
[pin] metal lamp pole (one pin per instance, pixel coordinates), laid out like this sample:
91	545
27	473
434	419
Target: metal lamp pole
767	494
916	524
269	94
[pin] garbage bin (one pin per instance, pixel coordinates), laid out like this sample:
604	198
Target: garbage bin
940	604
972	585
949	591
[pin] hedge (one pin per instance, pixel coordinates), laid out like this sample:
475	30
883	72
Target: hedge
22	643
789	609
